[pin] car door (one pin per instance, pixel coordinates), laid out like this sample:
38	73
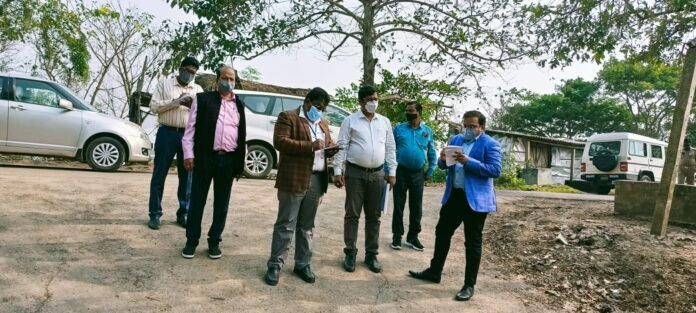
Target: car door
638	157
37	124
258	119
657	160
4	109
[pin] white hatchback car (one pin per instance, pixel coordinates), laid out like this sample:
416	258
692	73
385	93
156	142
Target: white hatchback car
261	111
42	117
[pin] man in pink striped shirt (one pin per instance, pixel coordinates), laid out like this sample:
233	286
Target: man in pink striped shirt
214	145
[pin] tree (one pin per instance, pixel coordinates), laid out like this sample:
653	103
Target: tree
647	89
251	74
574	111
465	38
59	44
120	39
591	30
396	90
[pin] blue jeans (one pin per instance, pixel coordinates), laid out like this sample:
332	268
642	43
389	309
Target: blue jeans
168	145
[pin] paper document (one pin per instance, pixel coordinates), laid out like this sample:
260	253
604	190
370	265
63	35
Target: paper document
449	154
385	199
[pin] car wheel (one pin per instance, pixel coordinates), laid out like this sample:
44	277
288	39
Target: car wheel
258	163
105	154
645	178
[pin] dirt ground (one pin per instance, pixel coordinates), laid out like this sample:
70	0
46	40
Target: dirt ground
76	241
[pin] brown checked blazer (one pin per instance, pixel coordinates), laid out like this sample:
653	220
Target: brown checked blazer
293	139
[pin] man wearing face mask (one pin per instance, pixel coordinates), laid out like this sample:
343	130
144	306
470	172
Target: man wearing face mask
303	139
414	149
214	149
366	140
469	197
171	101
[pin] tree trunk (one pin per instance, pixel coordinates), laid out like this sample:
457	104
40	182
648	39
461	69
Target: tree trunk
368	44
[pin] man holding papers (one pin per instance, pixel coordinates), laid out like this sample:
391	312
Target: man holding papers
304	141
414	149
367	142
469	197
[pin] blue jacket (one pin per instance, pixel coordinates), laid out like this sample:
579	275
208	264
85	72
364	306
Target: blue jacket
484	164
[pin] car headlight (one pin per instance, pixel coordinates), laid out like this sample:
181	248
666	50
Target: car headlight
144	136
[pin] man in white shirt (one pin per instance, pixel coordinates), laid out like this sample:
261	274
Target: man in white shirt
171	102
367	142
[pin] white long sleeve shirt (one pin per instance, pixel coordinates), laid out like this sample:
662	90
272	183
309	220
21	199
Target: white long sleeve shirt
366	143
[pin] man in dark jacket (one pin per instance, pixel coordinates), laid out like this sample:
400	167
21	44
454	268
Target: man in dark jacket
301	136
215	145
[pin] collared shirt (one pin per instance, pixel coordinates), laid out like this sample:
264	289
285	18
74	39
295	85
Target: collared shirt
366	143
414	146
459	173
169	111
317	133
226	131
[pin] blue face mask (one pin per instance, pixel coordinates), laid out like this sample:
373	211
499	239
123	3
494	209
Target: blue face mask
314	114
469	135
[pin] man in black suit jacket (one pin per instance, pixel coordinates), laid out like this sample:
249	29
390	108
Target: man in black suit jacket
214	145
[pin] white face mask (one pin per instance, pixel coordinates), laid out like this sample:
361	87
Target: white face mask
371	106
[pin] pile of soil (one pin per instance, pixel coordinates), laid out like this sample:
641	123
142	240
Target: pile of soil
587	259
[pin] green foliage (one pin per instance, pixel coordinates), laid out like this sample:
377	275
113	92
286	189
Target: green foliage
574	111
396	90
591	30
542	188
439	176
250	73
464	38
509	176
52	29
647	89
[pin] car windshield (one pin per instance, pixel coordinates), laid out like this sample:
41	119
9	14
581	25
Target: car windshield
83	103
613	146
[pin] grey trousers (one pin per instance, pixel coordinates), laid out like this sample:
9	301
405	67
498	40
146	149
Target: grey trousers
296	212
363	191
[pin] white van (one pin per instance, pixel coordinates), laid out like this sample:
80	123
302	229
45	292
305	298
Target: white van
621	156
262	109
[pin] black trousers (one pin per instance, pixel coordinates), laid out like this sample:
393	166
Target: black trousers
219	169
411	182
455	212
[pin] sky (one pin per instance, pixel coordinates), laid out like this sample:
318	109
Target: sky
304	67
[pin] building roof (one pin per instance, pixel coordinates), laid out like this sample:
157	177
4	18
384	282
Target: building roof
540	139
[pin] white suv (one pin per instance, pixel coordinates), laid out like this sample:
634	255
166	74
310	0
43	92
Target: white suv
261	111
42	117
621	156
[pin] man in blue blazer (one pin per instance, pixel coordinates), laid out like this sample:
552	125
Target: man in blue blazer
469	197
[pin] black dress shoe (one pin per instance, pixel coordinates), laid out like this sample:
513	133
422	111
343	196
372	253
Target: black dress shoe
272	275
349	262
373	264
154	223
427	274
465	294
305	273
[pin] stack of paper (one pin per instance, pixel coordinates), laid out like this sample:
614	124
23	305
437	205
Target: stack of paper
449	154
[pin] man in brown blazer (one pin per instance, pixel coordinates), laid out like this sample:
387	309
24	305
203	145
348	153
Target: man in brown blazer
304	142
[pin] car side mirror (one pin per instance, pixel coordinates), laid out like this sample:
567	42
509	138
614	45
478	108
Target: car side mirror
65	104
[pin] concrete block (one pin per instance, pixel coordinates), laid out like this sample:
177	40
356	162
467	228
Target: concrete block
635	198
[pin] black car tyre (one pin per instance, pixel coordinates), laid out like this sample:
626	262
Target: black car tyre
105	154
258	162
